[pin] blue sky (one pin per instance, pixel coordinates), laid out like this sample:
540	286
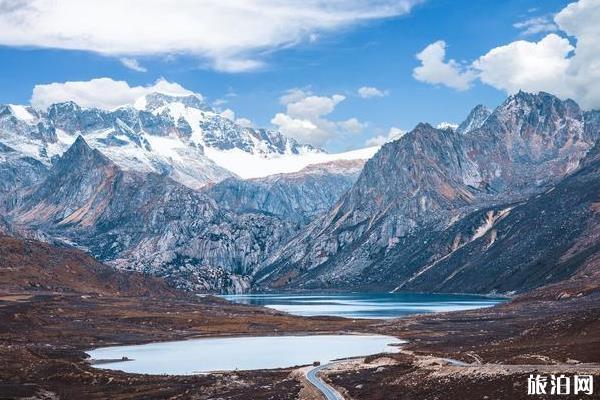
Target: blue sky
380	53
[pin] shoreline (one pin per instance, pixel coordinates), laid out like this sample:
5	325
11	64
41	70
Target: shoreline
60	327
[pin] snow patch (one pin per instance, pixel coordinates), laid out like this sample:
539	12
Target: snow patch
21	112
248	166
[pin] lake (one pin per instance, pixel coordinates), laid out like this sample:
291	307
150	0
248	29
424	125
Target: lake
267	352
240	353
365	305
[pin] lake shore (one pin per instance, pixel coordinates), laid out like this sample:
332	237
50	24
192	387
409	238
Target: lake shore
44	336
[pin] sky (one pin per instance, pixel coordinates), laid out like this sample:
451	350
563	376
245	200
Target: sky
340	74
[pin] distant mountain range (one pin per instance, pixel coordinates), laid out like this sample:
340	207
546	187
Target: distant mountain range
176	136
167	186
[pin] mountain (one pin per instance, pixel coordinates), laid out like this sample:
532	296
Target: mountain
169	187
510	242
423	204
475	119
145	222
176	136
297	197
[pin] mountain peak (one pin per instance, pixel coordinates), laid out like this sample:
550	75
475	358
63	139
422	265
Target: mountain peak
540	106
64	106
475	119
80	152
153	101
423	126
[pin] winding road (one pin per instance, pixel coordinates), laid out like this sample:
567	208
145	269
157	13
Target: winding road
329	392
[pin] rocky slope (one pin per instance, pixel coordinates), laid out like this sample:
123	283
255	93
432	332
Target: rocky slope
18	171
32	266
145	222
407	221
297	197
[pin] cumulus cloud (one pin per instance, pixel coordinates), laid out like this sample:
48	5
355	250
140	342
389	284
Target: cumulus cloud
553	64
229	34
132	64
367	92
435	69
393	134
536	25
305	117
527	65
352	125
230	114
103	93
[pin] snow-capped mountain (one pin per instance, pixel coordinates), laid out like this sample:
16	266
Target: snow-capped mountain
177	136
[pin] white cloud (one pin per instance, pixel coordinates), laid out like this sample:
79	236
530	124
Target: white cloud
352	125
527	65
447	125
313	106
245	122
230	114
435	70
535	25
132	64
393	134
552	64
104	93
367	92
230	34
305	117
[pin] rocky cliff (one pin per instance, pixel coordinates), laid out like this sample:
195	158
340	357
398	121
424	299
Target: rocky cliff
296	197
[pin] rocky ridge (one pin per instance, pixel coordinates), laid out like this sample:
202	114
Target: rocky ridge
386	231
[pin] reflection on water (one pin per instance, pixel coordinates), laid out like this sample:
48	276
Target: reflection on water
240	353
365	305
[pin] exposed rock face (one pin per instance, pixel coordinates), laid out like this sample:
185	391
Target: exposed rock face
296	197
146	222
439	186
18	171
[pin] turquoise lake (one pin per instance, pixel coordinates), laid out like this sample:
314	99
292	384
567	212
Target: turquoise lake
365	305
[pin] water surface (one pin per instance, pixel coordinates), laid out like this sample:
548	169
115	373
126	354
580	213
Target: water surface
240	353
365	305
